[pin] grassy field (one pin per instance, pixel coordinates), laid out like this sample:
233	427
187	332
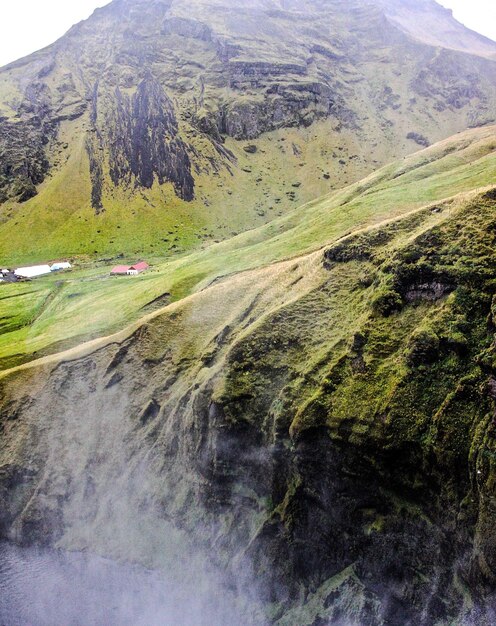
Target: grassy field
60	311
262	186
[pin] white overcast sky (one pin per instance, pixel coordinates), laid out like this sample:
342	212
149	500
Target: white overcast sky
28	25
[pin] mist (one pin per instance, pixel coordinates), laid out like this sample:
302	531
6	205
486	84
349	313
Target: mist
105	496
52	588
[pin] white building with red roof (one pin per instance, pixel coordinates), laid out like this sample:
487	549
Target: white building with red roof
130	270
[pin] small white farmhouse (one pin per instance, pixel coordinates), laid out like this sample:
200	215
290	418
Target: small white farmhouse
32	272
62	265
134	270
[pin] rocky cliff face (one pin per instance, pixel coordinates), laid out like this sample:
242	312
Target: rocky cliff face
331	425
155	95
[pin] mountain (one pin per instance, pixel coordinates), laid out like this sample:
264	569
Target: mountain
158	126
292	414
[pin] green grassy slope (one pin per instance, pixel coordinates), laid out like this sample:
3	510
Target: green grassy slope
262	186
86	303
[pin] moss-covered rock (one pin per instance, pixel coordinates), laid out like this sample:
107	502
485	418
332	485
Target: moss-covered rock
387	301
423	347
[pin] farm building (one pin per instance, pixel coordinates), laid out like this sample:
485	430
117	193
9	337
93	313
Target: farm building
62	265
32	272
138	268
130	270
120	270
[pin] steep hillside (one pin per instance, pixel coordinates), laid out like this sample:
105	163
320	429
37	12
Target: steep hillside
60	311
158	126
325	421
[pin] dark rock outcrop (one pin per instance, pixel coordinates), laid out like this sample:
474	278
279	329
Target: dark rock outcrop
144	143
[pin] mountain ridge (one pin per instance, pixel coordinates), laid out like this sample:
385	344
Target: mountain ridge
438	27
